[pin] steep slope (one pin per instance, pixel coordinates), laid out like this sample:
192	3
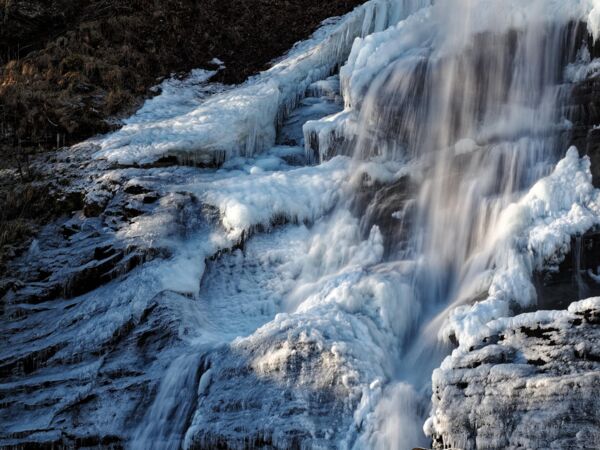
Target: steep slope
71	69
68	66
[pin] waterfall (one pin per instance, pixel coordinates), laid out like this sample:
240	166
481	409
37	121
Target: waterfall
288	263
450	117
165	422
479	110
482	120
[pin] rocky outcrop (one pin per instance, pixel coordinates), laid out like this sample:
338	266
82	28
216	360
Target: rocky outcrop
583	104
575	277
286	392
100	325
585	115
531	384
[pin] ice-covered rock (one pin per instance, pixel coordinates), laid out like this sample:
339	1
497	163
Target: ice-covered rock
309	378
284	306
530	382
534	234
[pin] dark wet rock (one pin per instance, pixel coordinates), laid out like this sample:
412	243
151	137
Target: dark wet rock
573	280
583	110
95	203
83	354
135	189
390	207
585	115
333	144
118	375
150	198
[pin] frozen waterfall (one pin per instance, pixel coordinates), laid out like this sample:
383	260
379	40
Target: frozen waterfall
319	239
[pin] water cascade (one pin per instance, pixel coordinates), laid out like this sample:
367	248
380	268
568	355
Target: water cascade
478	110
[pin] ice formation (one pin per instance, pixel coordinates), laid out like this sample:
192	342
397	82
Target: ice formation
534	234
335	235
244	120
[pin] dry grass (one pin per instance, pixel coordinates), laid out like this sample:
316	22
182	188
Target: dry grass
25	206
12	231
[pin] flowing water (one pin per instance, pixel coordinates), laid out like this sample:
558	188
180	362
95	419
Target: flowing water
480	116
475	111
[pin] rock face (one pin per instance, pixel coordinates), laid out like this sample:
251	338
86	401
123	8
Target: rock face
99	331
583	106
287	391
533	384
59	366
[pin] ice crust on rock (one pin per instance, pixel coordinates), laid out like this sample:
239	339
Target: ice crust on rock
309	370
531	381
298	195
584	67
246	201
431	34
